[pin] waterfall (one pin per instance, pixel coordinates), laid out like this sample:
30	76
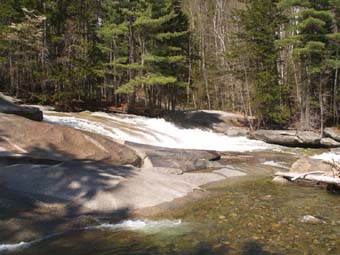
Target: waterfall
156	132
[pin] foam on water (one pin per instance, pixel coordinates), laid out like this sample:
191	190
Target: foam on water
131	225
328	156
159	132
5	248
139	225
13	247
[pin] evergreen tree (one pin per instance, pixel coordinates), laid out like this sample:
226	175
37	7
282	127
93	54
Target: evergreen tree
312	23
258	24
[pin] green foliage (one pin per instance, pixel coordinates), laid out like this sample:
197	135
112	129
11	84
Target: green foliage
259	25
149	80
76	50
166	59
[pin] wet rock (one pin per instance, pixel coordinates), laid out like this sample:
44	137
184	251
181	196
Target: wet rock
305	165
311	219
280	180
82	222
8	107
329	143
290	138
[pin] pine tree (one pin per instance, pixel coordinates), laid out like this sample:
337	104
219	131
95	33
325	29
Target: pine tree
258	24
312	23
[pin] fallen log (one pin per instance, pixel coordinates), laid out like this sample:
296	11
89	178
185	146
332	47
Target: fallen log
309	177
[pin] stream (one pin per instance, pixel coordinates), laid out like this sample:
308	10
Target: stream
244	215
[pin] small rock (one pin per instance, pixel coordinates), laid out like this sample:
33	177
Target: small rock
221	217
275	225
280	180
333	237
266	198
310	219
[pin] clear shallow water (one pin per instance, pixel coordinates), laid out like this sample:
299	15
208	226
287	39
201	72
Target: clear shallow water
247	217
156	132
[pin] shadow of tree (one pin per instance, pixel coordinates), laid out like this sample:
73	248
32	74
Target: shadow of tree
26	181
196	119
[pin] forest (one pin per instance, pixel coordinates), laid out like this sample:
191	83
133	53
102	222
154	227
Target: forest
276	61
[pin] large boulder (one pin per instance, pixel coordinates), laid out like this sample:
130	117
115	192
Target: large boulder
290	138
333	133
329	143
20	136
8	107
183	160
97	187
305	165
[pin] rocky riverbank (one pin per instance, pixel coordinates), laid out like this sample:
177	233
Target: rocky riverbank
91	172
52	175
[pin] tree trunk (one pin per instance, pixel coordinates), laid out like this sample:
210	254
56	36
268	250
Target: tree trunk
310	177
321	107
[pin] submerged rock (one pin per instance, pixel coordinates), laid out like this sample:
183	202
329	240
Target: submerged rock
305	165
311	219
8	107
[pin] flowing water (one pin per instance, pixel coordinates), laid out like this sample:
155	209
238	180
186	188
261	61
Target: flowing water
248	215
156	132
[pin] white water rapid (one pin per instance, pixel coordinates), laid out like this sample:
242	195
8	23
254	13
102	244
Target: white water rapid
13	247
139	225
328	156
156	132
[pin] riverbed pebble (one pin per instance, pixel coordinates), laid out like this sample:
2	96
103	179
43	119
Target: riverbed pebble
310	219
280	180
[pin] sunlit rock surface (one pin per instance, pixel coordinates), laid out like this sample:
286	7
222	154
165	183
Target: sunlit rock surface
20	136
